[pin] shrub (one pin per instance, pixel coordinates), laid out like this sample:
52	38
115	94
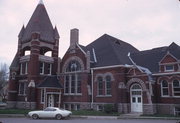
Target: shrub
108	108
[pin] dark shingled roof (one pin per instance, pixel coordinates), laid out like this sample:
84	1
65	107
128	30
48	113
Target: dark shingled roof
110	51
151	58
15	62
41	23
50	82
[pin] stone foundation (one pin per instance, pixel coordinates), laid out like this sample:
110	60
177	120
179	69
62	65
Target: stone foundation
167	108
21	105
123	108
149	109
11	104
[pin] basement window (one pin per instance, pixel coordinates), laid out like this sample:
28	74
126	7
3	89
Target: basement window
177	111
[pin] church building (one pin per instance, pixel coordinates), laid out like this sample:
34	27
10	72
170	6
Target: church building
106	71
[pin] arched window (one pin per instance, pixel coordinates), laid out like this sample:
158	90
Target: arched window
73	78
73	66
108	85
164	88
176	87
100	85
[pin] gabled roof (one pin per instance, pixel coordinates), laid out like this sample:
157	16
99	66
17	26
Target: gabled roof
110	51
151	58
41	23
50	82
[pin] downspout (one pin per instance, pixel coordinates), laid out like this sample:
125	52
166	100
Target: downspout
92	89
133	62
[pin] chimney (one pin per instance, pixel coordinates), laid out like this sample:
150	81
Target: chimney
74	38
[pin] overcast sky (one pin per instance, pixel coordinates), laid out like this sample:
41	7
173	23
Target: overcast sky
145	24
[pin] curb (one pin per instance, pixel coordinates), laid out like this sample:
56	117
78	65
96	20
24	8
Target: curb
95	117
155	118
12	115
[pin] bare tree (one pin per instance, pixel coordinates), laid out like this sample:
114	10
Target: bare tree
3	80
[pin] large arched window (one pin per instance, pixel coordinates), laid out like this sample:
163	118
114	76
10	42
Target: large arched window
73	78
164	88
108	85
176	87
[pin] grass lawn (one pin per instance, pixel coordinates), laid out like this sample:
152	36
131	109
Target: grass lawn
80	112
14	111
94	113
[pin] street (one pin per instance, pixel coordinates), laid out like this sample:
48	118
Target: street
28	120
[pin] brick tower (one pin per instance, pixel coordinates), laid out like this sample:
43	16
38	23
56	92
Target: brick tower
36	61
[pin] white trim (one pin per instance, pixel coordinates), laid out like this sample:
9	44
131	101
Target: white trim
80	48
46	59
106	86
164	88
165	68
21	73
42	72
94	55
170	63
98	86
70	80
42	94
104	96
168	53
50	69
136	98
159	74
113	66
173	87
26	68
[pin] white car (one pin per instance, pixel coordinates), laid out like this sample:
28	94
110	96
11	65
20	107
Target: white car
50	112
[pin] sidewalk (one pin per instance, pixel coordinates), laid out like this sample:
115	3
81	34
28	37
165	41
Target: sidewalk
124	116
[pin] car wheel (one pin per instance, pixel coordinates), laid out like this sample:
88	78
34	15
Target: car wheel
58	116
35	116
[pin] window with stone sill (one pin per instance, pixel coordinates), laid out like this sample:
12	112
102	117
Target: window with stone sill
100	85
108	85
42	95
22	88
100	107
49	68
72	84
41	68
176	87
164	88
45	68
24	68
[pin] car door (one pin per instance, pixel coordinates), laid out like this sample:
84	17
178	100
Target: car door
47	113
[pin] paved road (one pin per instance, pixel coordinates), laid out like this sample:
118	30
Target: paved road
27	120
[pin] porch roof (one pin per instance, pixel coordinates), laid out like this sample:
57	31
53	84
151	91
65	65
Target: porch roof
50	82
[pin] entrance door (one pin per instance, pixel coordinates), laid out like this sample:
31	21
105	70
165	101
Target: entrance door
51	100
136	98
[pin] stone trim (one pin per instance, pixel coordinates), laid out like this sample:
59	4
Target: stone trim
104	76
70	59
136	80
143	86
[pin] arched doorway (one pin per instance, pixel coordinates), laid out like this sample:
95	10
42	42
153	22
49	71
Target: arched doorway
136	98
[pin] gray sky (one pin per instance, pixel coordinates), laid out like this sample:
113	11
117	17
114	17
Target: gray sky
145	24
